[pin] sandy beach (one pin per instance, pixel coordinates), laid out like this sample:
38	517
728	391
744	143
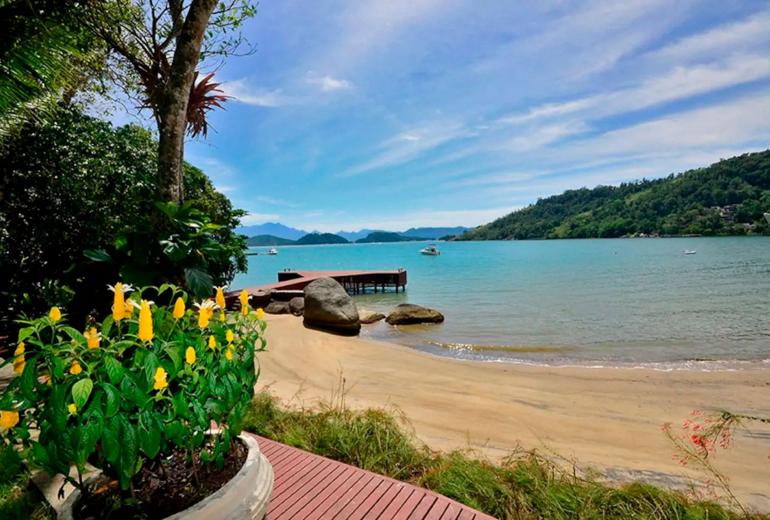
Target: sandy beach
605	418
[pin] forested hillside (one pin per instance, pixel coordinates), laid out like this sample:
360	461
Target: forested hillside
726	198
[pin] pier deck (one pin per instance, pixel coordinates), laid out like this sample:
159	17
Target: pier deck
355	282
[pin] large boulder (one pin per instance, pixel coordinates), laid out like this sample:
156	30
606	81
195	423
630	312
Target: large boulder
368	317
328	306
297	305
277	308
409	314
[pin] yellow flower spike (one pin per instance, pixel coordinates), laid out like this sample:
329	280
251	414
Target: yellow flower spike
222	317
19	361
160	379
129	310
212	342
75	369
260	314
72	409
229	354
244	297
205	312
178	308
145	322
8	419
92	338
229	336
118	302
20	348
189	355
54	314
220	297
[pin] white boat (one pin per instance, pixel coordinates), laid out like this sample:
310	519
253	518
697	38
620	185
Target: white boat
272	251
689	251
431	250
767	217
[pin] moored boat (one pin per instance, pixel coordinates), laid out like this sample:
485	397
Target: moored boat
431	250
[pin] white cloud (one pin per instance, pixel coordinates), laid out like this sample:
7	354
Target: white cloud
245	93
252	218
329	83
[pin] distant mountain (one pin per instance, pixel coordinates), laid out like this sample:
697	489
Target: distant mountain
271	228
355	235
433	233
321	238
268	240
726	198
386	236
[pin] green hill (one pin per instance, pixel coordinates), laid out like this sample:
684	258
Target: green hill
386	236
321	238
268	240
726	198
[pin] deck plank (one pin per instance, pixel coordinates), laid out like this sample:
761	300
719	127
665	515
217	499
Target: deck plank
311	487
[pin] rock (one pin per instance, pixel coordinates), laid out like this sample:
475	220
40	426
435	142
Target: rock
297	306
329	307
408	314
260	298
277	308
367	317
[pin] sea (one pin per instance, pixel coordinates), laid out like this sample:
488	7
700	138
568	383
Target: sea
603	302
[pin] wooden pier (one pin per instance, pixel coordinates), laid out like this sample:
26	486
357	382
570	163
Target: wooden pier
355	282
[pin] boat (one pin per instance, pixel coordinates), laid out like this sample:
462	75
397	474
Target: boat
431	250
689	251
272	251
767	217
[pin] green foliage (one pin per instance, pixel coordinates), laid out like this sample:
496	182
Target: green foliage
18	500
321	238
726	198
268	240
72	183
523	486
387	236
129	390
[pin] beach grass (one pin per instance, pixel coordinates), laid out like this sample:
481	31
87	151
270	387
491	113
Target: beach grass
525	485
19	499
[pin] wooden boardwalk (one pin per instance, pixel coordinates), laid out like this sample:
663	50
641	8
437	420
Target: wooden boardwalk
308	486
354	281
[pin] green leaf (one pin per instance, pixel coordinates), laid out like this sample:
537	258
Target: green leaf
112	398
25	333
97	255
107	325
176	357
149	437
74	334
199	281
81	391
28	381
114	370
111	443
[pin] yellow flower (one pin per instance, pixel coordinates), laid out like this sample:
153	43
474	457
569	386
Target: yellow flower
229	336
72	409
205	312
244	297
160	379
220	297
222	317
145	322
189	355
75	369
55	314
19	361
260	314
129	310
118	302
178	308
92	338
229	354
212	342
8	419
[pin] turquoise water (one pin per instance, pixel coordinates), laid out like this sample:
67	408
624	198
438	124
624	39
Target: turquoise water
588	302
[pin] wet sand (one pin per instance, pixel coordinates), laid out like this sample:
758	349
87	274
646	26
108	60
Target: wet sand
606	418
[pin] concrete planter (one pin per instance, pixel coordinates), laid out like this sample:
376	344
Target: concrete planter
244	497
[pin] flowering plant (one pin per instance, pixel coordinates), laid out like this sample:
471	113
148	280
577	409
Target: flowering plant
149	379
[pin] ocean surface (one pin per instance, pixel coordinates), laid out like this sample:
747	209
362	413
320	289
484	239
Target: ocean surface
622	302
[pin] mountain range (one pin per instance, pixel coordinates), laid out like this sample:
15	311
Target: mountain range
276	229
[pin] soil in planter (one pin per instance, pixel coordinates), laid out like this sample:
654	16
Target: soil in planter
162	488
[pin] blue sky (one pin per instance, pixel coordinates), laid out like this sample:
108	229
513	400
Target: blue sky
393	113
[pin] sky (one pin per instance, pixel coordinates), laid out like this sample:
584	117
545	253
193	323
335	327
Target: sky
389	114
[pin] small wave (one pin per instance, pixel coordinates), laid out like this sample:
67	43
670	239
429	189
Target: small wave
520	349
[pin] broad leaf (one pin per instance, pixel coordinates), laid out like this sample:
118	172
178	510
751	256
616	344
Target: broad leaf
81	392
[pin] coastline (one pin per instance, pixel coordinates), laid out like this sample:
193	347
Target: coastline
607	418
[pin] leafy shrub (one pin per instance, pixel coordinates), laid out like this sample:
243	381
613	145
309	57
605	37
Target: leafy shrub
146	381
71	183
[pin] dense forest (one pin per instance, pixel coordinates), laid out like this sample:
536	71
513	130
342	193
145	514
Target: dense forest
321	238
726	198
387	236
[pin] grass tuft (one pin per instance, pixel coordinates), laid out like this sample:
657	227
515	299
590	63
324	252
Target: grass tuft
524	486
18	499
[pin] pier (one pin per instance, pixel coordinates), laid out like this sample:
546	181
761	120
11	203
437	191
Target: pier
354	282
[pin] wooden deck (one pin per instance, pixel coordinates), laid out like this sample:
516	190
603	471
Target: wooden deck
308	486
354	281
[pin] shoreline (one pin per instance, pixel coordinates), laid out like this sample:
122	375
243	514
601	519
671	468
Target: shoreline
607	418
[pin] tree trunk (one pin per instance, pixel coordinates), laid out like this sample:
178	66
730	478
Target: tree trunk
173	106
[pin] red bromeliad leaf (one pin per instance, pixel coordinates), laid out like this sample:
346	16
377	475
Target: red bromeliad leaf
203	98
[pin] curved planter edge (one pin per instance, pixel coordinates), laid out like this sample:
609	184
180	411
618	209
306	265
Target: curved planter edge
244	497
